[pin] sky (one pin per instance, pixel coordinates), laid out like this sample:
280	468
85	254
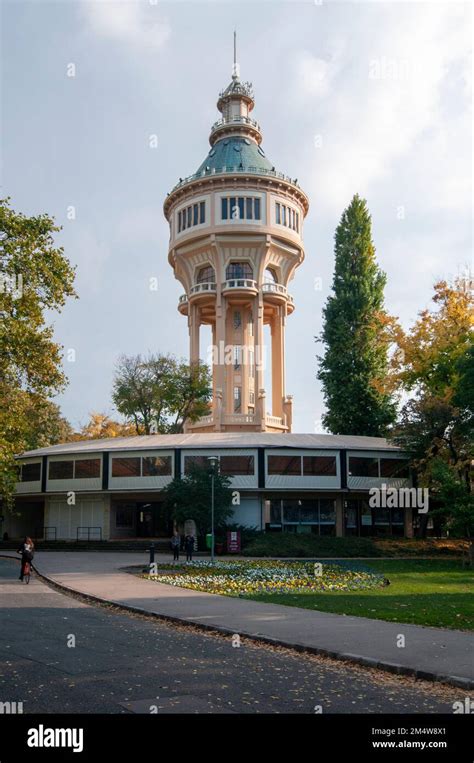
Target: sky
105	105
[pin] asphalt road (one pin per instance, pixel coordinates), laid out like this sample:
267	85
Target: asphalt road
122	663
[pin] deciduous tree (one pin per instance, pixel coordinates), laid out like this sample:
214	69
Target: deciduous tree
35	279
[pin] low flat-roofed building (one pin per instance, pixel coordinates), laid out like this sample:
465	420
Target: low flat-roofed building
111	489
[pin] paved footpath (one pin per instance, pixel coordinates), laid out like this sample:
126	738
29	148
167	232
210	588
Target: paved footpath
433	653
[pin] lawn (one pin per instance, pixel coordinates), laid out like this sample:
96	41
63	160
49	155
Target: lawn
439	593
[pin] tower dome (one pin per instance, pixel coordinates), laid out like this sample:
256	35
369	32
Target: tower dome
235	243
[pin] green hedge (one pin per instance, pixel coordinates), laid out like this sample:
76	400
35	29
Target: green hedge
296	545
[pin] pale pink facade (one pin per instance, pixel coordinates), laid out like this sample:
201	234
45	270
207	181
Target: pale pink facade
235	243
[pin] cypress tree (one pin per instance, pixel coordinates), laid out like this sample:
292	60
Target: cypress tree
355	357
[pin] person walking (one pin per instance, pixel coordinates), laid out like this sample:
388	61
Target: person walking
175	545
27	551
189	547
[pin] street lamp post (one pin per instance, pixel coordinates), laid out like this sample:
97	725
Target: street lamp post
213	460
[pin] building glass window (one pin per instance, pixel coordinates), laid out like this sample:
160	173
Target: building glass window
269	276
252	398
237	399
30	472
363	466
237	319
199	462
291	510
126	467
308	512
156	466
238	270
251	366
327	513
286	216
284	465
206	275
61	470
364	520
233	466
240	208
319	466
394	467
87	468
275	512
317	516
237	356
124	516
195	214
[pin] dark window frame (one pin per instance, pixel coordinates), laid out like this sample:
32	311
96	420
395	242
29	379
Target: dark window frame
291	460
55	465
117	459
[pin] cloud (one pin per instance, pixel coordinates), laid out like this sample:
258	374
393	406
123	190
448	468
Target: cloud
377	96
312	75
129	21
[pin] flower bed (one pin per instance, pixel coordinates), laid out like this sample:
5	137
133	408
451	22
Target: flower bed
238	577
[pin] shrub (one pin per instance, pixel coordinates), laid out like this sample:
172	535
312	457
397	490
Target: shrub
296	545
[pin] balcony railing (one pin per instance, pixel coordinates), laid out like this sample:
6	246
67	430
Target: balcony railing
183	299
239	283
238	418
234	170
240	119
276	288
274	421
200	287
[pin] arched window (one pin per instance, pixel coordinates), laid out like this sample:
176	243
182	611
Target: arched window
206	275
239	270
270	276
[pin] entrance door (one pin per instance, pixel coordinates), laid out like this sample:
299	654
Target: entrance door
145	520
152	521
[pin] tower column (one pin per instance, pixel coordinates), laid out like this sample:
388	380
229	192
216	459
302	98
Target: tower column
278	361
259	357
194	323
219	360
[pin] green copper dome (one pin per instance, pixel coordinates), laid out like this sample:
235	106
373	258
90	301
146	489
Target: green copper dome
235	152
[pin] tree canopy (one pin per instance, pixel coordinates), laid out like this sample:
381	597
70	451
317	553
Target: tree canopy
35	279
354	335
158	393
189	497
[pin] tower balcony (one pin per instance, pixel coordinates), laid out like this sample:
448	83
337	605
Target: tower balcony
240	286
183	304
278	294
237	422
238	124
199	292
202	289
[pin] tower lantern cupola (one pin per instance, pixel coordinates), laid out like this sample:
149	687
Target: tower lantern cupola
235	104
235	243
